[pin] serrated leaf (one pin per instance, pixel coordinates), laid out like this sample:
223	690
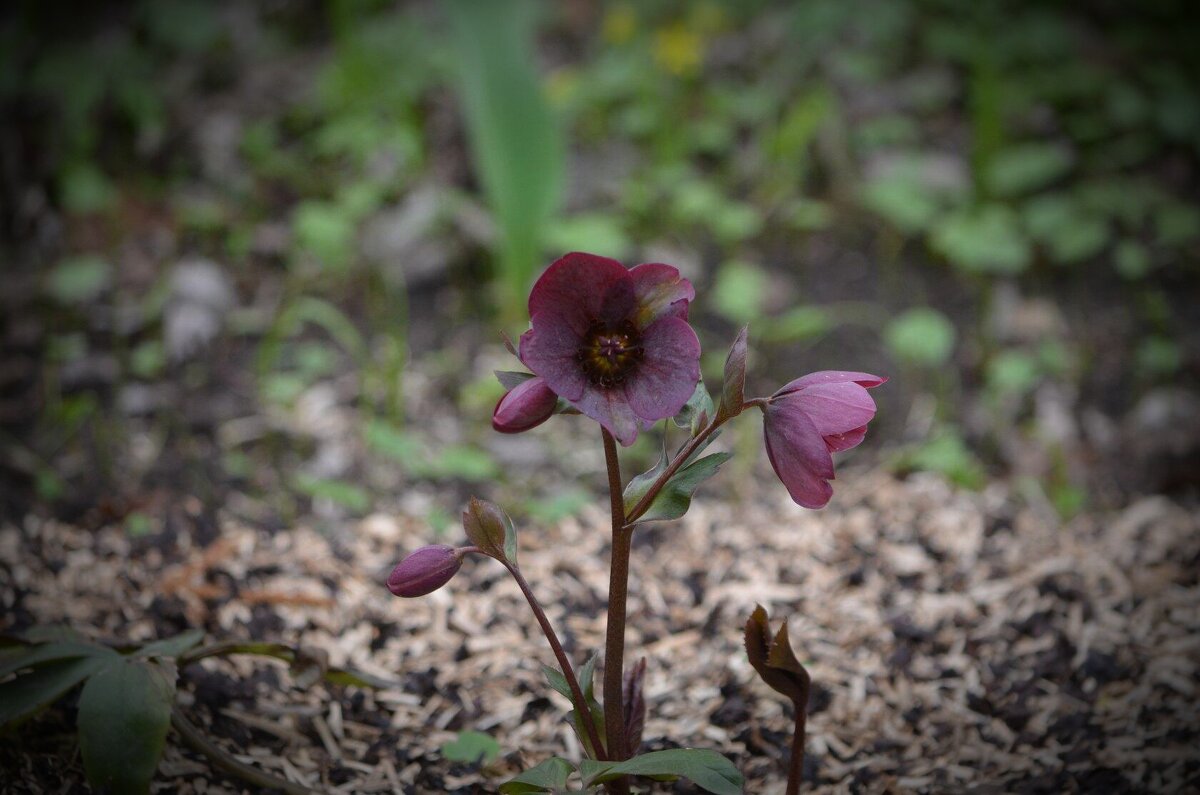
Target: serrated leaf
24	696
639	485
587	675
549	776
706	769
124	714
171	647
733	388
676	496
697	411
556	680
586	678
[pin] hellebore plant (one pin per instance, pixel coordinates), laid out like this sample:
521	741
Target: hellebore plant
614	344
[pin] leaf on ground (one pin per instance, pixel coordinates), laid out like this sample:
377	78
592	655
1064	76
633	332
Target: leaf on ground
124	714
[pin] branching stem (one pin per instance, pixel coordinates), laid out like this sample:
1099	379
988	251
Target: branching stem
581	705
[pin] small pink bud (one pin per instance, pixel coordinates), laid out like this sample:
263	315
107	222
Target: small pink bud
525	406
425	570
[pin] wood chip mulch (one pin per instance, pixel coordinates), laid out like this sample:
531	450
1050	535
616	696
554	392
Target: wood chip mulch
958	642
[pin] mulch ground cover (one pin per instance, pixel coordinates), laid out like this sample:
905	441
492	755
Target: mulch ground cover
958	641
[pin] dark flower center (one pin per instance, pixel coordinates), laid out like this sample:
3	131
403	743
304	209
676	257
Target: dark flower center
608	354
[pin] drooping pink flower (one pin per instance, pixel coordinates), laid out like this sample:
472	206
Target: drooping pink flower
808	420
425	570
525	406
614	342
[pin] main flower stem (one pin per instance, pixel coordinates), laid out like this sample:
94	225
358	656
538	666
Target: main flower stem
581	705
618	590
796	766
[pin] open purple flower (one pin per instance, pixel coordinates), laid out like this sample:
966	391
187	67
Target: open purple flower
614	342
810	418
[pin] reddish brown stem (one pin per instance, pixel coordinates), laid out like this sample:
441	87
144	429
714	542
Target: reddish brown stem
796	765
647	499
618	590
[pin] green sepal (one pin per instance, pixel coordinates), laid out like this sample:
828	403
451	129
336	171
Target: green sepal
696	413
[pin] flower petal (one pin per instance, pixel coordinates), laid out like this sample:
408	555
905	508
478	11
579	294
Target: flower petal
798	454
833	407
837	442
581	289
549	349
610	408
832	377
660	291
666	376
525	406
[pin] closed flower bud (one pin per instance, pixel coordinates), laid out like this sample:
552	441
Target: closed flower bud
425	570
525	406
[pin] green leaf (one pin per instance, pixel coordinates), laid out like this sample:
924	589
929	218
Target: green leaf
76	280
472	748
697	411
946	453
461	461
171	647
923	336
22	697
676	496
34	656
326	231
903	201
740	291
549	776
388	440
708	770
124	714
798	323
1131	259
639	485
86	189
516	140
557	680
1025	168
983	240
348	495
593	232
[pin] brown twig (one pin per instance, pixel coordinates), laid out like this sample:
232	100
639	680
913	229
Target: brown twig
196	740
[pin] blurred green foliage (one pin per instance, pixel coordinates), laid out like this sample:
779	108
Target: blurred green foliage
963	152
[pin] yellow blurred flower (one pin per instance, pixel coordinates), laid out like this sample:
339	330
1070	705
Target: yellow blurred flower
678	50
561	86
620	23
